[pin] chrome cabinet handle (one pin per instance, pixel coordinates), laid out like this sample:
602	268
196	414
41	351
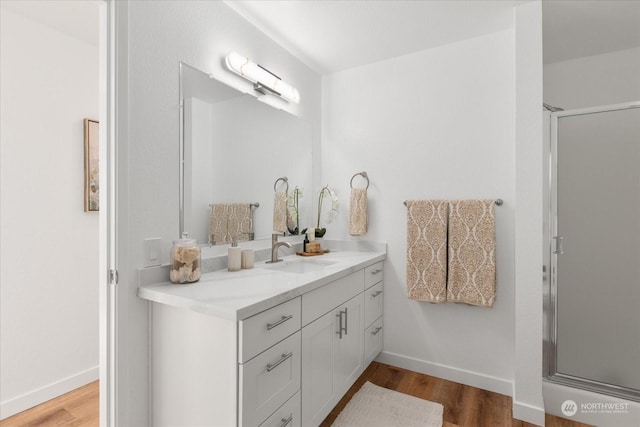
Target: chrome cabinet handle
376	294
376	271
286	421
378	329
285	356
341	328
346	319
559	250
279	322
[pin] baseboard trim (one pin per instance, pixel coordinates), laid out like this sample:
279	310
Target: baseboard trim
474	379
528	413
33	398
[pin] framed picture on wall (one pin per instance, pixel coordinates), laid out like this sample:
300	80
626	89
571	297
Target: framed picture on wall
91	166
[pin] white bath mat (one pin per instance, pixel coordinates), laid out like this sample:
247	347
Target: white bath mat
374	406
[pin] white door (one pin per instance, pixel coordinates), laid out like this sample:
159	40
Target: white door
348	357
318	348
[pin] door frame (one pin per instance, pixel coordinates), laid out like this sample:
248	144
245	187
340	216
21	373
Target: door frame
551	308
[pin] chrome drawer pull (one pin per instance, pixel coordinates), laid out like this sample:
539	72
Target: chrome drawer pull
286	421
279	322
376	271
346	319
376	294
378	329
285	356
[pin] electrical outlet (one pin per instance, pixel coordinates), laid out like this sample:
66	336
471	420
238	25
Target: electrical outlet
151	249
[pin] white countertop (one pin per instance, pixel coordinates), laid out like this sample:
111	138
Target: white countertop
238	295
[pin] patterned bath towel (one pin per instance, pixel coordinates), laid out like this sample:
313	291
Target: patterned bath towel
427	250
472	252
240	223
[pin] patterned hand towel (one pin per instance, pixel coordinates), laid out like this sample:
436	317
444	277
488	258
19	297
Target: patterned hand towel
427	250
472	246
240	223
280	211
218	218
358	216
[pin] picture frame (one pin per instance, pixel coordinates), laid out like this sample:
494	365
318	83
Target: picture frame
91	166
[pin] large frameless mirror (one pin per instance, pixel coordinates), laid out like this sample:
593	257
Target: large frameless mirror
233	149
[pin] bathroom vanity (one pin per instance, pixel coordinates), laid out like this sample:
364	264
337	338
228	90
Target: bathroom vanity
277	345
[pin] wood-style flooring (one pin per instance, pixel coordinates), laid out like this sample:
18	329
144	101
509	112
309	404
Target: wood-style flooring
464	406
80	407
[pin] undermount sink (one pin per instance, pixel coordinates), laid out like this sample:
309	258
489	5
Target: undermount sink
300	266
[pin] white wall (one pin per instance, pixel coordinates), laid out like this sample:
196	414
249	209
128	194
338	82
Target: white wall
527	384
610	78
154	37
49	246
434	124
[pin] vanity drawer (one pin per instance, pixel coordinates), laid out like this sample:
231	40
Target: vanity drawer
259	332
372	341
324	299
288	415
373	302
269	380
373	274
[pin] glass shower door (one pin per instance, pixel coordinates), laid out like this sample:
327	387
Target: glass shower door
596	249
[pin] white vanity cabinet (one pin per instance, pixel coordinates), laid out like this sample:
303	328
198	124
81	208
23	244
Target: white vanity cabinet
287	365
373	304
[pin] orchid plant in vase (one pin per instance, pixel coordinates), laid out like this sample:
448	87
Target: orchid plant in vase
331	214
293	211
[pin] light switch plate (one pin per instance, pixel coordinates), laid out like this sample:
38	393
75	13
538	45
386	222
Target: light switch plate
151	249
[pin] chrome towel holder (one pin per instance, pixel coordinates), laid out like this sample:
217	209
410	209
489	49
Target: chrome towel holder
285	180
364	175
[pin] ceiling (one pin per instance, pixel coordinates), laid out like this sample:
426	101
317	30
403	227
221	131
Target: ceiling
573	29
335	35
331	36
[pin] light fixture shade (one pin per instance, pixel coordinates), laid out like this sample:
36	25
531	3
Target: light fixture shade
253	72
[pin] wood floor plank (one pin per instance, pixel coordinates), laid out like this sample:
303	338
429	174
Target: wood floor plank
79	407
464	406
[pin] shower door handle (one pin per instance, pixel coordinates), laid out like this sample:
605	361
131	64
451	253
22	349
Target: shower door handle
559	249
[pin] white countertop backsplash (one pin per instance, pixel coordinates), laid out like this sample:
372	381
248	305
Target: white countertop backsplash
238	295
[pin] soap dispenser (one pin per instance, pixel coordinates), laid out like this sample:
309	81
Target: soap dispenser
234	256
304	243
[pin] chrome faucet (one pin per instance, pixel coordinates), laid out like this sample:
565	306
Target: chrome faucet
274	248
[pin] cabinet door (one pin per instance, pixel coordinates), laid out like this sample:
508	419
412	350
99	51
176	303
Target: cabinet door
318	348
348	356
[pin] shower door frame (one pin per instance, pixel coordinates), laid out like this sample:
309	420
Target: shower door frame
550	367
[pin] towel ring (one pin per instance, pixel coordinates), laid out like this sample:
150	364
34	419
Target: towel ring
286	181
364	175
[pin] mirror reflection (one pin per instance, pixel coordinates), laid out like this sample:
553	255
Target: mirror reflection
235	148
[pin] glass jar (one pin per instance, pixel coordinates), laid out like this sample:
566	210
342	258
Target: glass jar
185	260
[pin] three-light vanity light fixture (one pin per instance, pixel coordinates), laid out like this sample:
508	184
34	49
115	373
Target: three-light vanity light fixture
264	81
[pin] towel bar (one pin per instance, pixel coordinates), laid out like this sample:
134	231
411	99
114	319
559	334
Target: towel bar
498	202
254	205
